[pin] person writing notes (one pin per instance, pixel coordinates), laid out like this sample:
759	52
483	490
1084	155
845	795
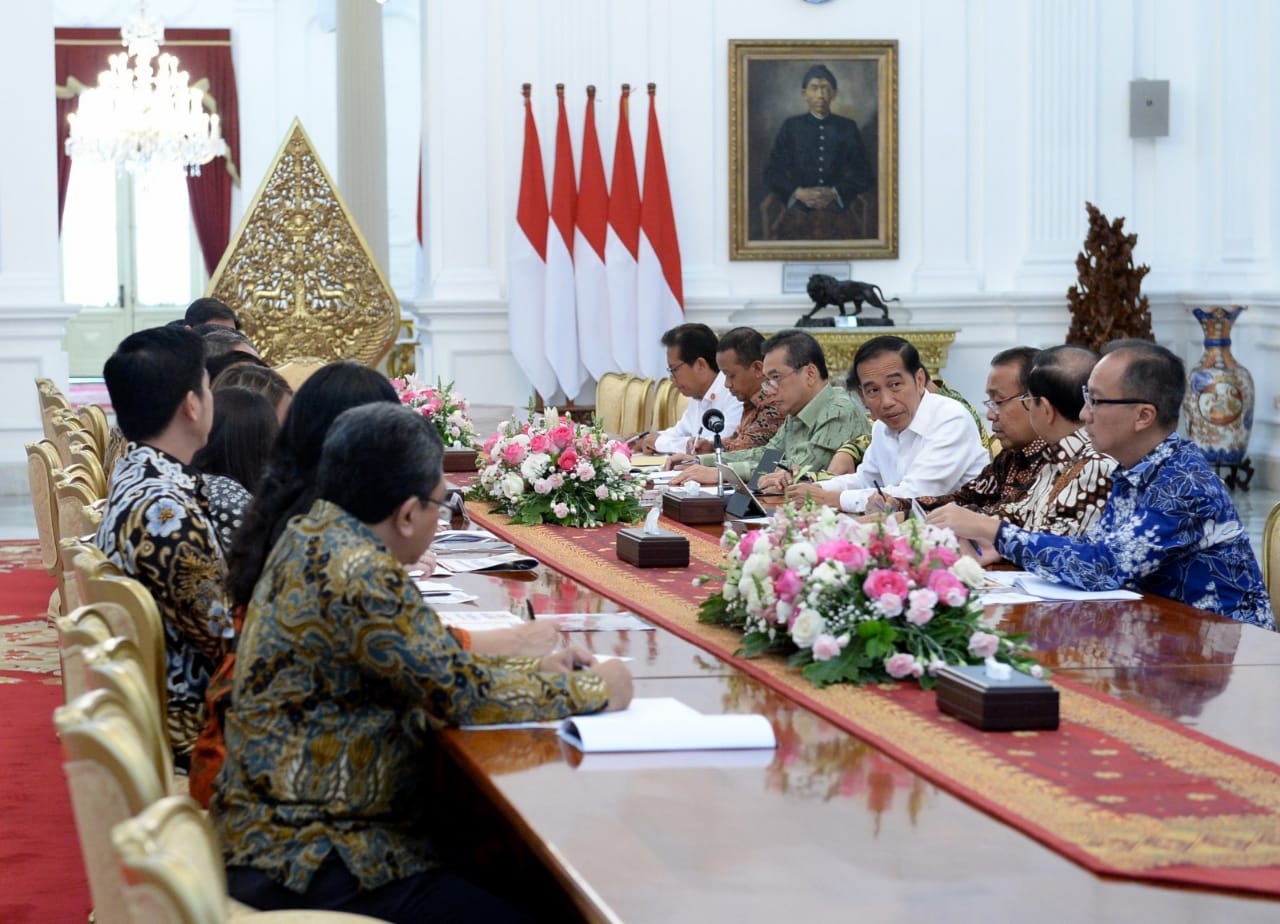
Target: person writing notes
1168	528
343	677
921	443
691	363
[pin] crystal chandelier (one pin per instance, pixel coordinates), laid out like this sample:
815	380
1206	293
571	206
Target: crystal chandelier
144	116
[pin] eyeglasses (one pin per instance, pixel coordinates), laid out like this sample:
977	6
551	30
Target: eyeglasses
1028	401
771	379
671	370
997	404
1092	403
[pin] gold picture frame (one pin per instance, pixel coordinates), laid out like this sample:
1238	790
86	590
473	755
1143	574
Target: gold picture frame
774	143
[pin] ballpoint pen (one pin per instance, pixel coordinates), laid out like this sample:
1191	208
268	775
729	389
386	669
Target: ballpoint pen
528	608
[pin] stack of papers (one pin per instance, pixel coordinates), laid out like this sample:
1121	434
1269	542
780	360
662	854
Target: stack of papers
1025	587
598	622
479	620
437	593
658	724
448	541
477	564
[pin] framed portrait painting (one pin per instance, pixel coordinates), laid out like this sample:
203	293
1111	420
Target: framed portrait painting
813	150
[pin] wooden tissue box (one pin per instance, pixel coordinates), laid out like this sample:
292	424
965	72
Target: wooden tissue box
460	460
1020	703
663	550
693	510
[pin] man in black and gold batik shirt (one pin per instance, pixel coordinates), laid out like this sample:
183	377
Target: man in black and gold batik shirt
341	677
156	525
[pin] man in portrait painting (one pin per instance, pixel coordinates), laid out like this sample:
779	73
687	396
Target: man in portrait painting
817	168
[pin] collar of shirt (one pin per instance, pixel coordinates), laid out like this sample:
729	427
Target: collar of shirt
713	393
1146	468
1070	446
926	416
808	415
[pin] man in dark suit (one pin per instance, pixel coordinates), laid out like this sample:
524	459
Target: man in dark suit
818	166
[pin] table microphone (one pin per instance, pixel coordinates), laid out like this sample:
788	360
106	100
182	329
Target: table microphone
713	422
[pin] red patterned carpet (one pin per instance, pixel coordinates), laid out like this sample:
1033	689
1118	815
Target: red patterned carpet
39	851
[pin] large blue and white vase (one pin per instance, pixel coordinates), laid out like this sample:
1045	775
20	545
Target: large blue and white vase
1217	412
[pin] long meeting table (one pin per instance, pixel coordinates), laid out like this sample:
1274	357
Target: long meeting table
828	827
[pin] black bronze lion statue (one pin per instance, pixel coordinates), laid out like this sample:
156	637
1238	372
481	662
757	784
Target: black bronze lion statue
827	290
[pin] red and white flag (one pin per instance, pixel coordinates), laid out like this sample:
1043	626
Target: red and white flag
622	247
594	344
526	282
660	290
560	336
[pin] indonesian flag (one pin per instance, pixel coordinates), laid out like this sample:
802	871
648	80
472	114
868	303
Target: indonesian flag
660	290
560	335
589	252
526	282
622	246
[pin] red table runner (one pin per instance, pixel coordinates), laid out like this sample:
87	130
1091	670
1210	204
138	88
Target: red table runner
1116	789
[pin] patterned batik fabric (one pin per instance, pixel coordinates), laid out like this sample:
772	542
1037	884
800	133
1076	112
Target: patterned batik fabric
342	676
156	528
760	421
228	500
1069	492
1168	528
1006	479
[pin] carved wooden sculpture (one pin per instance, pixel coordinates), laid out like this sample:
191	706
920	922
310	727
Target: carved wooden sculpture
1107	304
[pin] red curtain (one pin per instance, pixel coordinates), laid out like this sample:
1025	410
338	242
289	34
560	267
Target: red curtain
81	54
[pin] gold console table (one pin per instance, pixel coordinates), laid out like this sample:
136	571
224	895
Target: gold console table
841	343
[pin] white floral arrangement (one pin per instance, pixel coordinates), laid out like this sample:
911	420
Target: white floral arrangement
857	602
445	408
552	470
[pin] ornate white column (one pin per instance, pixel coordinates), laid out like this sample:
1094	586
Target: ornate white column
362	122
32	314
1062	150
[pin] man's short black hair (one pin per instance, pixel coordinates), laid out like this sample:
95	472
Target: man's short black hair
693	342
878	346
1058	374
1154	374
149	376
1020	356
820	70
204	310
746	343
399	445
802	349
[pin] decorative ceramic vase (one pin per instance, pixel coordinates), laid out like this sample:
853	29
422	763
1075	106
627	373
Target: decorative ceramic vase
1218	409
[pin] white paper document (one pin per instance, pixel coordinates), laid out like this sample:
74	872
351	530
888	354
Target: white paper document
665	725
598	622
480	620
1025	582
511	561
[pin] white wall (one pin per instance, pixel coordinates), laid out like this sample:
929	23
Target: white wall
1011	114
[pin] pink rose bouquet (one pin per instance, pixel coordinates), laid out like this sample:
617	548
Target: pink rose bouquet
856	602
445	408
550	470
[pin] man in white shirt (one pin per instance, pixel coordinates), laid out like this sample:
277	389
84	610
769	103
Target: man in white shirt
922	444
691	363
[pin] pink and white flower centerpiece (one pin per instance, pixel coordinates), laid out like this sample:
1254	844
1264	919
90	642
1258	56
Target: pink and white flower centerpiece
857	602
444	407
552	470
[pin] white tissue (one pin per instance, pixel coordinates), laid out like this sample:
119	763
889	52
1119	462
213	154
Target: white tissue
996	670
651	522
693	489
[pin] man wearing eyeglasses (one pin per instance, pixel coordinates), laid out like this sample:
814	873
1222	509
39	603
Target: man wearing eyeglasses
1169	527
921	443
1022	452
819	416
691	363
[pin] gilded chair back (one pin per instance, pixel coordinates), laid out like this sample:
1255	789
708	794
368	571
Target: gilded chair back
676	404
116	665
611	391
662	395
80	630
636	400
42	463
98	581
94	419
79	506
111	778
1271	556
51	399
174	873
68	430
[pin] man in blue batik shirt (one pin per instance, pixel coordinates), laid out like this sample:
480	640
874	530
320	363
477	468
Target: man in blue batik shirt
1169	527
